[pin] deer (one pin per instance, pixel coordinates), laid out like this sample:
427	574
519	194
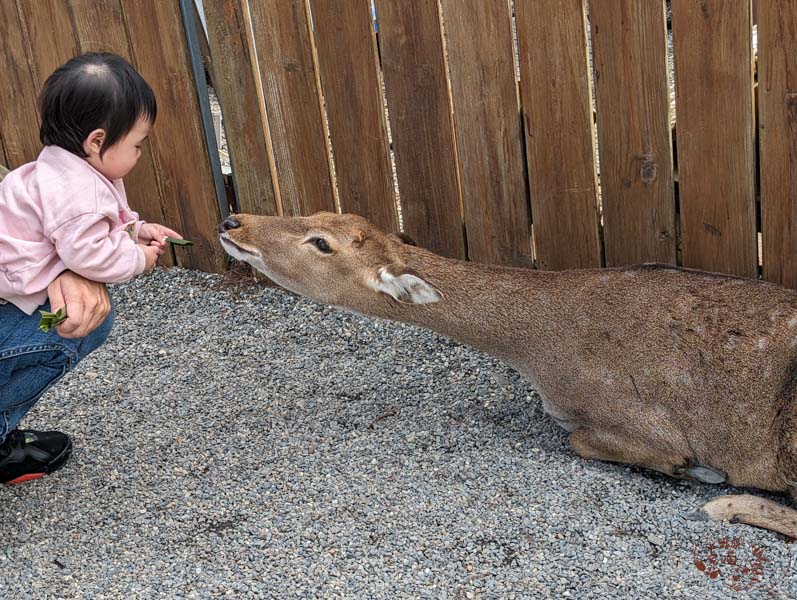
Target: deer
685	372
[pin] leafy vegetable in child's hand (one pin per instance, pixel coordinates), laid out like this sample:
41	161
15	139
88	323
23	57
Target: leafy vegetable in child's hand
179	242
50	320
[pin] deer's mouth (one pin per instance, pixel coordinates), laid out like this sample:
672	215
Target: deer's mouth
236	249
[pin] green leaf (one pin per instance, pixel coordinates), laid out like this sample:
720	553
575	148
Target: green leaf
179	242
60	317
49	320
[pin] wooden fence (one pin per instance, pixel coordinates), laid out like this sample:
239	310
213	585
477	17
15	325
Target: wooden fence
478	126
504	169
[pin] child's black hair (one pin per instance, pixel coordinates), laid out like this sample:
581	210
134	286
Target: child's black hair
93	91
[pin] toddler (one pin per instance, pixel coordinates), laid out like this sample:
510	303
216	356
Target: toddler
67	214
68	209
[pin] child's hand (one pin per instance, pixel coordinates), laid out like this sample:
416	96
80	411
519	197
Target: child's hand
152	232
151	253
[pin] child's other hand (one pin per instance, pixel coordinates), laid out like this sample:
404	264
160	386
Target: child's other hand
151	254
152	232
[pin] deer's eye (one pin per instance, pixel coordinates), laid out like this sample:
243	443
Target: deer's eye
322	245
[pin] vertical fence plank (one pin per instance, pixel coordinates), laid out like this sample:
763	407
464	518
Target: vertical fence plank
50	35
100	27
423	139
350	81
630	56
777	94
716	160
487	123
178	142
235	84
557	111
19	116
285	59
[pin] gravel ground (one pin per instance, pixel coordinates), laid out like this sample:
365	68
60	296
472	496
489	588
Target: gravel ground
237	440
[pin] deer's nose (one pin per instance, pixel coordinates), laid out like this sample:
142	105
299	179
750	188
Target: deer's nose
229	223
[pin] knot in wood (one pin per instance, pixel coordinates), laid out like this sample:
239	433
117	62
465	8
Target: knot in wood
648	172
791	106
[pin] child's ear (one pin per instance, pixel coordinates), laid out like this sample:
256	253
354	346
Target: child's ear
94	142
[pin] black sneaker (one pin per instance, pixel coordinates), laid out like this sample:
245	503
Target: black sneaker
26	455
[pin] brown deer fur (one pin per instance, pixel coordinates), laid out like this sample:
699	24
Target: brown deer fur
689	373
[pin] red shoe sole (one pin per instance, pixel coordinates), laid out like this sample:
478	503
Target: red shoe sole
24	478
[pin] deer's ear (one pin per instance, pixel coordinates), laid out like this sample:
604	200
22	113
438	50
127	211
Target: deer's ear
405	286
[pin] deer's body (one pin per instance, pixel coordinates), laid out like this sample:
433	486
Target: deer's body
690	373
683	364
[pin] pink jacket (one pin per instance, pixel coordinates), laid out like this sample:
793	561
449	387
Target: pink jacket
59	214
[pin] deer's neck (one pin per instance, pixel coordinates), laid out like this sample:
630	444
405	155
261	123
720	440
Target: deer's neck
504	312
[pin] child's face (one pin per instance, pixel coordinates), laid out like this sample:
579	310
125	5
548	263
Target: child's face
120	158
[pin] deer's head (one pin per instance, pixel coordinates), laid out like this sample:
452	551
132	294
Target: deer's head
336	259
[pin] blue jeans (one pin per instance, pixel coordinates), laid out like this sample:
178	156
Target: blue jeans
31	361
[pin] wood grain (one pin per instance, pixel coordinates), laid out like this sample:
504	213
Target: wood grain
488	132
557	113
632	97
420	120
777	93
714	121
19	115
235	84
51	37
288	76
347	59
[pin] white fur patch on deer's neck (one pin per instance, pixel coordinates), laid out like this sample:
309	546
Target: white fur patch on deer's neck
405	287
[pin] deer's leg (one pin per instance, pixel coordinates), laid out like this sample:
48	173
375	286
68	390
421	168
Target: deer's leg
751	510
599	445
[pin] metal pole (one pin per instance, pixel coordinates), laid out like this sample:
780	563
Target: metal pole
189	24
